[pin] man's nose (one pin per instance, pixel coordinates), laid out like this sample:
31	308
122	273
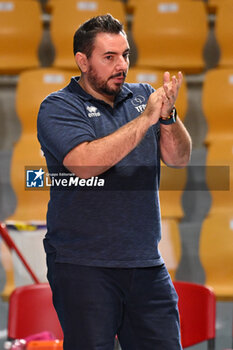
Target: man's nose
122	63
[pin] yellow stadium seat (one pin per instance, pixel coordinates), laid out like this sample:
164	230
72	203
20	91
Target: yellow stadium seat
155	79
220	152
50	4
31	203
20	35
216	254
170	35
67	17
37	84
217	104
131	5
170	245
212	5
172	184
223	32
219	176
32	88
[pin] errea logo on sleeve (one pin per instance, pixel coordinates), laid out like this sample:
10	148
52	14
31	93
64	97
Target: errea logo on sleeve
92	112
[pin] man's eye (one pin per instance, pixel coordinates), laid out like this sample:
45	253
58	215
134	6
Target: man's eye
108	58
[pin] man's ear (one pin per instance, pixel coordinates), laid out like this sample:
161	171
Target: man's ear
82	61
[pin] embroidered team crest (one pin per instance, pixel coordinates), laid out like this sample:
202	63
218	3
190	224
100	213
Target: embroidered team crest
139	103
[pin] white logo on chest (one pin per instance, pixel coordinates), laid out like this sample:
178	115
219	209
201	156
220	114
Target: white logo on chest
93	112
138	104
140	108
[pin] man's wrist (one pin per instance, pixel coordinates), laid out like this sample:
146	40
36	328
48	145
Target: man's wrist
170	119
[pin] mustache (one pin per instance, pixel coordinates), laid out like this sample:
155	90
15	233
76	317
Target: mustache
119	75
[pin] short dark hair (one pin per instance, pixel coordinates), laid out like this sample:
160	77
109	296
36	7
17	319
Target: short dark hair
84	37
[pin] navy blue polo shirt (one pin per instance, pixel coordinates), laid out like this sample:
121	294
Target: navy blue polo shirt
115	224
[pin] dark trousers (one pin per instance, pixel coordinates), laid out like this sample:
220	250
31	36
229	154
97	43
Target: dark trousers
94	304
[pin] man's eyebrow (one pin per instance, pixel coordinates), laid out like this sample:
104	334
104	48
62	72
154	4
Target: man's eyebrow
115	53
127	50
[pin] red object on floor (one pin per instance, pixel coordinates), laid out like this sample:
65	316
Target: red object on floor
31	311
197	307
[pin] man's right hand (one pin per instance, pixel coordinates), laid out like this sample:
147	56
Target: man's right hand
154	106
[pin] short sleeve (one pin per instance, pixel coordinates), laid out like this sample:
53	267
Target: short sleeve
149	89
62	125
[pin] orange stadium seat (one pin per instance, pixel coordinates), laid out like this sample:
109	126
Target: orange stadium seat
67	16
172	184
20	35
217	104
170	245
213	5
50	4
155	79
170	35
216	254
223	32
219	175
131	5
32	204
37	84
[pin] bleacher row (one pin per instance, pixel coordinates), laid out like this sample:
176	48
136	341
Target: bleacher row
166	35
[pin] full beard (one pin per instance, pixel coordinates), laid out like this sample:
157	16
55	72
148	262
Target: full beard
101	86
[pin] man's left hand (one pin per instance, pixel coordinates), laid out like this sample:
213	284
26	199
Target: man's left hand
170	88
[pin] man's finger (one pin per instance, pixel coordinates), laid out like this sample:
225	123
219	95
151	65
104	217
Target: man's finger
165	87
174	83
166	78
180	78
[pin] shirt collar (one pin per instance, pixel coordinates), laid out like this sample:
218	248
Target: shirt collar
75	87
